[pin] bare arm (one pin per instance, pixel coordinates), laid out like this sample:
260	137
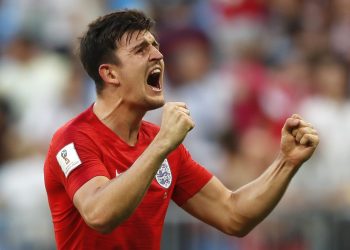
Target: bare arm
236	213
105	203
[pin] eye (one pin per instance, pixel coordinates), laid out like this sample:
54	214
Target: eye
142	50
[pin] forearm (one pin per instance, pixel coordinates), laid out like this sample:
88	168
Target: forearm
243	209
116	199
254	201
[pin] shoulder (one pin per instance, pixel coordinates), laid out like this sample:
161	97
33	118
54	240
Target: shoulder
72	141
77	128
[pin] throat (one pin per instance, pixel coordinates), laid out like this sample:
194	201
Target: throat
128	133
131	138
123	123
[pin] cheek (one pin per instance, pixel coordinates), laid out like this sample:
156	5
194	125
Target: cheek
135	88
133	75
137	72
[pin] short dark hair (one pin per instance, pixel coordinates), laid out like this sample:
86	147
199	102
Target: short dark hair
98	44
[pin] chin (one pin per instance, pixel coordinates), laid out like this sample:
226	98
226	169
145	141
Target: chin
155	104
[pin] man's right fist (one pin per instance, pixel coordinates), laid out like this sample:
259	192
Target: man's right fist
176	123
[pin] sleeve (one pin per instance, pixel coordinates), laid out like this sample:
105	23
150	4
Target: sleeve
78	160
191	177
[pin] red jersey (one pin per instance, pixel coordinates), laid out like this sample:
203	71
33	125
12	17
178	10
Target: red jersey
85	148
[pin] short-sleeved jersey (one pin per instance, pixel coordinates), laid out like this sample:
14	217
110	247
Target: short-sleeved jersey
85	148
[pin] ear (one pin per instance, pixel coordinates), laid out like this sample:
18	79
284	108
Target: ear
108	74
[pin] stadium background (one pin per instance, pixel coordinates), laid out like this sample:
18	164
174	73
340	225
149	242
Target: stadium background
242	66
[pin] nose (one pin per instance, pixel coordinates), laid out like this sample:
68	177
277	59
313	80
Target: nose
155	54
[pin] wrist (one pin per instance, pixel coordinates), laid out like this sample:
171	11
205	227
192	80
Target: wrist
161	145
288	162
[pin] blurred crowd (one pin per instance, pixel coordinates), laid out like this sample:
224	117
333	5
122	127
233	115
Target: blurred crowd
242	67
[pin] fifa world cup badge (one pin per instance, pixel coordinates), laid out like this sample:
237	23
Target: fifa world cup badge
68	158
64	156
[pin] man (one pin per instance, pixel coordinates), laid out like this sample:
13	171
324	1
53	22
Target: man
110	176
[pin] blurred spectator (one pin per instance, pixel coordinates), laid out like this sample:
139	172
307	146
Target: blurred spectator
288	84
34	81
340	28
171	14
247	155
44	92
7	138
24	218
329	109
238	25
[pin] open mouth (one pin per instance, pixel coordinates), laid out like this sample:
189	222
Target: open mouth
153	79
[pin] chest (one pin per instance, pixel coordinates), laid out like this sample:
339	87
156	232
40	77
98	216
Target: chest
119	159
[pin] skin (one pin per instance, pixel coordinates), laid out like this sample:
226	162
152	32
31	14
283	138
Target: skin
243	209
125	99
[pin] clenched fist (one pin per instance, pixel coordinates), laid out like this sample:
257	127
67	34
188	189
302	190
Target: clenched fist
299	140
176	123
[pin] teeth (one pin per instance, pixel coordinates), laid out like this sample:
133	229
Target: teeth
155	71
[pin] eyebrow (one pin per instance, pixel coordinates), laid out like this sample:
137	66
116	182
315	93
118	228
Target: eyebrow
144	44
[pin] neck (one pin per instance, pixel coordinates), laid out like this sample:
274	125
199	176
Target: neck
121	119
